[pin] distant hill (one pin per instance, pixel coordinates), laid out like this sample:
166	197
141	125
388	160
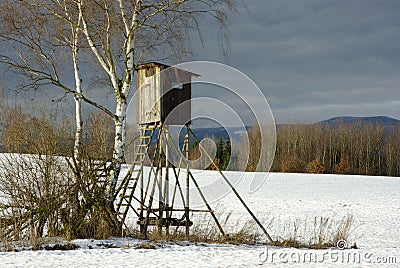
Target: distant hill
383	120
216	132
219	132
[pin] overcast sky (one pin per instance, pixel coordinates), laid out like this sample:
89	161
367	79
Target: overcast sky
316	59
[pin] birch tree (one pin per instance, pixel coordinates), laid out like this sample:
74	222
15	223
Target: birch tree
35	48
123	34
117	35
43	48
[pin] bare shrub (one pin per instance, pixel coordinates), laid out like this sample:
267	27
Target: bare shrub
343	167
44	192
41	197
292	166
315	166
33	189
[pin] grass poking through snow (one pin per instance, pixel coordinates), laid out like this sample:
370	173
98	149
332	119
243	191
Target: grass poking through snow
324	233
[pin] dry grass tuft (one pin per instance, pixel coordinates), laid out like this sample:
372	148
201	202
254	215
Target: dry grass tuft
145	246
206	231
325	233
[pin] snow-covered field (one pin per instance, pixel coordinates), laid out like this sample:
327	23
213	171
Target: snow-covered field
281	201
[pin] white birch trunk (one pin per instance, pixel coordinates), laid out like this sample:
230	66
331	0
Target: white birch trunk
78	99
121	87
119	147
78	116
121	93
78	131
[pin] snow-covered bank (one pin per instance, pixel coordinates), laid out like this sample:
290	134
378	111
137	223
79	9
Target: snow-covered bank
281	200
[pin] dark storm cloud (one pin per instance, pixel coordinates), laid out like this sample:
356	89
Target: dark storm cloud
313	59
318	59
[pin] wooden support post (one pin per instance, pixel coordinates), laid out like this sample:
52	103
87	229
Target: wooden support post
166	183
160	180
195	182
235	192
153	188
177	186
207	205
141	198
141	182
187	181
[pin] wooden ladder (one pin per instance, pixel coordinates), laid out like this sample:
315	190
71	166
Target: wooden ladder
102	170
130	182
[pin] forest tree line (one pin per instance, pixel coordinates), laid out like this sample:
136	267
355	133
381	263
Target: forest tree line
343	148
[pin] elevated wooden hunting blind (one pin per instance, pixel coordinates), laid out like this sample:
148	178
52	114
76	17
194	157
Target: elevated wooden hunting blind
160	90
163	98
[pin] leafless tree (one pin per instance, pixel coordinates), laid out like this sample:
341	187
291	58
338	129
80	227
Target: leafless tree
123	34
116	35
39	190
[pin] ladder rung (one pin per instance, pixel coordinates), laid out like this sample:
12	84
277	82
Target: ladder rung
144	126
124	197
148	126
